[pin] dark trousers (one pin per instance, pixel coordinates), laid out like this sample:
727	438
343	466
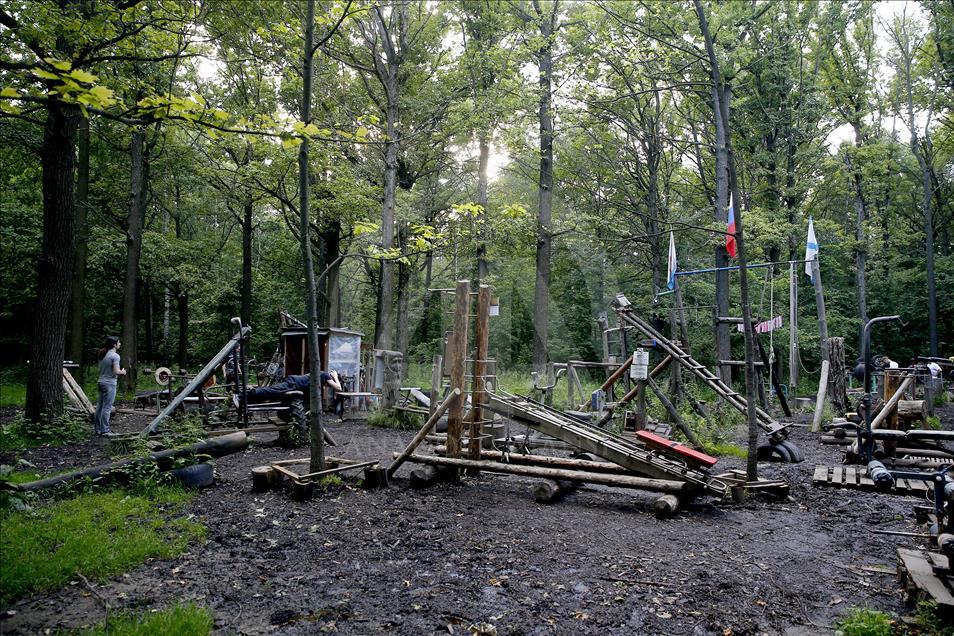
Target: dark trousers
274	392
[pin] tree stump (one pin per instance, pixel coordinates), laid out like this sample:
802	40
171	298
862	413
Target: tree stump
837	389
666	506
263	478
552	490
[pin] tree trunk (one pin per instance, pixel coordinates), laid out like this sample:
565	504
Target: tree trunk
247	230
146	302
404	277
722	98
44	398
541	290
332	242
861	247
722	333
482	200
78	300
837	390
182	305
138	179
316	432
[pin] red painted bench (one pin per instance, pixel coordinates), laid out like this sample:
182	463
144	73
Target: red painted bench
692	457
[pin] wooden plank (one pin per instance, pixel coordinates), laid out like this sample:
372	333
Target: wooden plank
851	478
821	475
920	574
836	475
84	402
865	482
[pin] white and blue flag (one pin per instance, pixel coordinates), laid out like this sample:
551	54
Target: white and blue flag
672	261
811	249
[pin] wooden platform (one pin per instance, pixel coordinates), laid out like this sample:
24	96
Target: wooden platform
856	477
927	576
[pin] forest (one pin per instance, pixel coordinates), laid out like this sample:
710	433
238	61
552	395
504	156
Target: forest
151	187
170	169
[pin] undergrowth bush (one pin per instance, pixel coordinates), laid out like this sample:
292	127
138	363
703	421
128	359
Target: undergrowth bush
20	433
862	621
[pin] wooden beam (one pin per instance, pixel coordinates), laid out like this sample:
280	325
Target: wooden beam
457	352
481	345
452	399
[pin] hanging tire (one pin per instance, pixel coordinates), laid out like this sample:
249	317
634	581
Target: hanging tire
297	435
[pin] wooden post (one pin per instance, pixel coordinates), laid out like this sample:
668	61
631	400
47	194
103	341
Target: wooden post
820	303
458	366
437	375
569	385
820	397
792	330
481	342
640	405
891	381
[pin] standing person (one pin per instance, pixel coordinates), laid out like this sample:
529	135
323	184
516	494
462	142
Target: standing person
109	369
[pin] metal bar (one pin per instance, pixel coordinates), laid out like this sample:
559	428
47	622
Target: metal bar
732	268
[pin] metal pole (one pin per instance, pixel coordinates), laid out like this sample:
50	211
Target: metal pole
732	268
866	352
792	330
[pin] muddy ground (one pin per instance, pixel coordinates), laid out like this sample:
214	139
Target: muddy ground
450	557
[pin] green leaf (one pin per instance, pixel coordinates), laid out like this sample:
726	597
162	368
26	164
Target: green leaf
9	92
63	65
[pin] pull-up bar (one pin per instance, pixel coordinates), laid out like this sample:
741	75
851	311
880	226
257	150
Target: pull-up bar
735	267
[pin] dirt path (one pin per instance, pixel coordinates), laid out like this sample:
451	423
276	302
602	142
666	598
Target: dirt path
414	562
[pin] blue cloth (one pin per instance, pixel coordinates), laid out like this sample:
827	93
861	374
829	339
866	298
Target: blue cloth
107	371
104	405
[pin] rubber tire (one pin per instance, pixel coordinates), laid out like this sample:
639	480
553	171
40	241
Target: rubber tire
195	476
794	452
774	453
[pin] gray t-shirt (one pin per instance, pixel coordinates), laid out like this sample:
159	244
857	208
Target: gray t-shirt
106	373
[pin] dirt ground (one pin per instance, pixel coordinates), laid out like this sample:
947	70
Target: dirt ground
450	557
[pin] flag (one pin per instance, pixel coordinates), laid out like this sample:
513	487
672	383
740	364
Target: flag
672	261
730	245
811	249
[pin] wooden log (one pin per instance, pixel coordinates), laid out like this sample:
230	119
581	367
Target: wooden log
576	463
615	376
457	352
912	410
622	481
666	506
820	397
552	490
453	398
217	447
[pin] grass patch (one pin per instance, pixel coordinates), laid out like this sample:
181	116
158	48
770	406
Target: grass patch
97	535
19	433
181	620
724	449
862	621
397	420
933	422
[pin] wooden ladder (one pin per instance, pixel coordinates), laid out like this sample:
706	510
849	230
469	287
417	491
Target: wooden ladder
765	421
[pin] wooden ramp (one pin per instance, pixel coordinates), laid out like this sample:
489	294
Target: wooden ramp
856	477
625	452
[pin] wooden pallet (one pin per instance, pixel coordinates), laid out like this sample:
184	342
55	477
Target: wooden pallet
856	477
927	576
